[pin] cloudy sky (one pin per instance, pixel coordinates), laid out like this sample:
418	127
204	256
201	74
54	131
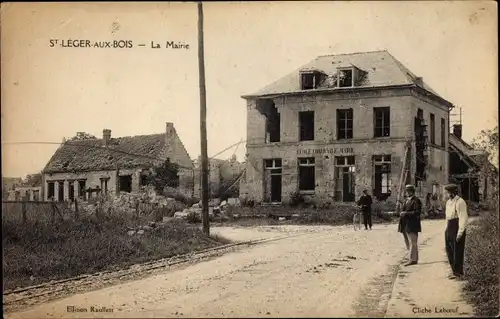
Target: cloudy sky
48	93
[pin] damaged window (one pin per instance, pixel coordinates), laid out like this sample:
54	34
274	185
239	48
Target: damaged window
344	124
126	183
443	132
306	123
382	119
346	78
81	188
309	80
273	126
382	182
51	191
433	128
307	181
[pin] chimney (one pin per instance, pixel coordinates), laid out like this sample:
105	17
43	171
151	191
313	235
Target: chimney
457	130
169	128
106	137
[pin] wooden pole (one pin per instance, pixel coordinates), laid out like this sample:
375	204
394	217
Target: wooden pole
203	123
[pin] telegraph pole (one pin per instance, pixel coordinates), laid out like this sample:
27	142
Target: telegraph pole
203	124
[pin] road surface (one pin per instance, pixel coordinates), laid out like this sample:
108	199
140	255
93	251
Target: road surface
319	271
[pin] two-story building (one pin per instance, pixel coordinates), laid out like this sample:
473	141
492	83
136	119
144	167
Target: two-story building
341	124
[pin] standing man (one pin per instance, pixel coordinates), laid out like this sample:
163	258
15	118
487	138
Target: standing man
365	202
409	223
456	216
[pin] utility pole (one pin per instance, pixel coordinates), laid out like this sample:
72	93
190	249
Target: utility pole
203	124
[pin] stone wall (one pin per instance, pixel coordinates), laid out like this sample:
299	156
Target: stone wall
403	105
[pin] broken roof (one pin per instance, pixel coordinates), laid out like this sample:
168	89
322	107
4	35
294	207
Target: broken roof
381	68
122	152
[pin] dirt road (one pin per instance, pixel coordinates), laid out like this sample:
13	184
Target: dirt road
317	272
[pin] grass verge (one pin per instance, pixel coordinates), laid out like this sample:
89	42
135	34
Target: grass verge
37	253
482	265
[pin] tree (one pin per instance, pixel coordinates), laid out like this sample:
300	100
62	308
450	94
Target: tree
81	136
163	175
487	141
33	179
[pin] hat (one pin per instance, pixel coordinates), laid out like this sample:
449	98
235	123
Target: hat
451	187
410	187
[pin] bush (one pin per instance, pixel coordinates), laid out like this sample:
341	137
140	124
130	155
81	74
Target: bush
296	199
71	248
482	265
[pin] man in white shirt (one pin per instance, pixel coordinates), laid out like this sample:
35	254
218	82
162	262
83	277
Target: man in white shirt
456	217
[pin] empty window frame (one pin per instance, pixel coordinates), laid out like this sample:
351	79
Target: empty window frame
383	183
345	124
443	133
433	128
307	180
82	188
51	190
345	78
382	121
306	125
309	80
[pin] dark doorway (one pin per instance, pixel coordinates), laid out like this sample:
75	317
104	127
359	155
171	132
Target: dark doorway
60	192
126	183
71	194
345	174
275	188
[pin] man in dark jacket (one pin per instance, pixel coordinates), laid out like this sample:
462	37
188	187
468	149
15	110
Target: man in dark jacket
409	223
365	202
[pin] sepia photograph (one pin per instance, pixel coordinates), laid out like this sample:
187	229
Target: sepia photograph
267	159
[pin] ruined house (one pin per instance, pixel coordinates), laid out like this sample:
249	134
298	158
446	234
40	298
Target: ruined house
111	165
341	124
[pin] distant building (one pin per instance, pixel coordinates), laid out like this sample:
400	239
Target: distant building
340	124
469	168
113	165
29	189
222	175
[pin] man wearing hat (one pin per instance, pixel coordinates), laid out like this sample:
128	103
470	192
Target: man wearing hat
409	223
365	202
456	217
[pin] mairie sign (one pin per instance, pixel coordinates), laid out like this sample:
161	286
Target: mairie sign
325	150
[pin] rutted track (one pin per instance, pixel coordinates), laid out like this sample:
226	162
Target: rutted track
28	296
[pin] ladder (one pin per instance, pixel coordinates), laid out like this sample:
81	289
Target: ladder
405	171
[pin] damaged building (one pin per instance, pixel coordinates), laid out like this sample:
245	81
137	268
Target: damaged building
341	124
112	165
470	169
223	177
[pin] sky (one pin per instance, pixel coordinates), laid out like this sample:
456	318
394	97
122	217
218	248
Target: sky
48	93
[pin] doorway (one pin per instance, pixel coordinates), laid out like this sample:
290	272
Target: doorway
272	180
345	173
126	183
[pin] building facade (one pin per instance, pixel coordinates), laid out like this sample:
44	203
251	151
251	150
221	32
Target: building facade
81	168
342	124
223	174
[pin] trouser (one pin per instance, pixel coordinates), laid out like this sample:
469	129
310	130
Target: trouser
411	241
367	218
454	250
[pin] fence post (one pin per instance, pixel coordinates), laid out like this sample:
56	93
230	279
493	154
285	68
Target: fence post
23	209
53	212
76	209
137	209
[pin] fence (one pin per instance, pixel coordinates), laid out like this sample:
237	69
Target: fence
52	212
24	211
